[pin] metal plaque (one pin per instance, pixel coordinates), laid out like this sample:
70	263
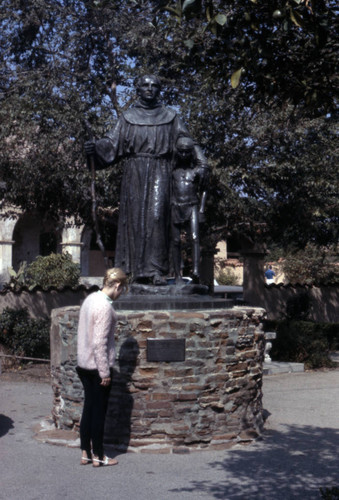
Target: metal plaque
165	349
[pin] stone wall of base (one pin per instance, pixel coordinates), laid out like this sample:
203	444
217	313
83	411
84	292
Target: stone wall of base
211	400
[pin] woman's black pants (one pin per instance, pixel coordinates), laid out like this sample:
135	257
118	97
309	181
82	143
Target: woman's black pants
94	412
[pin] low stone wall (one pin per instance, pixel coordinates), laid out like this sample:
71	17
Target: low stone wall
39	303
211	400
67	388
323	301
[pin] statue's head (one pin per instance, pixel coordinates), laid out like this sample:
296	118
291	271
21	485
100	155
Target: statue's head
148	88
184	148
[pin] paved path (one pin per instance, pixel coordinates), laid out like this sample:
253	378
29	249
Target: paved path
297	455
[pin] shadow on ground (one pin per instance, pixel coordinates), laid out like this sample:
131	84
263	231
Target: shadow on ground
292	464
6	424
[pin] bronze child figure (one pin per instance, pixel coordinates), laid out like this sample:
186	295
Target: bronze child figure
187	204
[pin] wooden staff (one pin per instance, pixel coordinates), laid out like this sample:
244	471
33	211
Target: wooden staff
91	167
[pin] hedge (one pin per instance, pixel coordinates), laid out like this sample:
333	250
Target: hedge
304	342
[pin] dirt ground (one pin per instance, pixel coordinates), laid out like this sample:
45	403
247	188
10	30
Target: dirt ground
38	372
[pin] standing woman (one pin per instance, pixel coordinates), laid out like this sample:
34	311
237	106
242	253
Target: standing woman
96	355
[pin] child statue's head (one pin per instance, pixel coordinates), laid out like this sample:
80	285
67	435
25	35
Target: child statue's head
185	147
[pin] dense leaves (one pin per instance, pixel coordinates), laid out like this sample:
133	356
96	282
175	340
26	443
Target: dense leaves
285	50
255	81
53	270
258	84
24	336
305	342
54	72
314	265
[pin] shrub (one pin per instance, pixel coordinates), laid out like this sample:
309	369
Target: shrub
53	270
24	336
304	342
330	493
226	277
331	330
298	307
17	279
311	265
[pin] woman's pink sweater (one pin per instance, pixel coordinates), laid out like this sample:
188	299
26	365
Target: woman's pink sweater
96	349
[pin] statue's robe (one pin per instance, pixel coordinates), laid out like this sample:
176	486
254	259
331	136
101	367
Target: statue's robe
144	139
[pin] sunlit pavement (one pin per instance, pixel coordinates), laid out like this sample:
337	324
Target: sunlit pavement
296	456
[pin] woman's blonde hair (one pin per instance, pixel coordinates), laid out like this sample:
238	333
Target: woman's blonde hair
115	275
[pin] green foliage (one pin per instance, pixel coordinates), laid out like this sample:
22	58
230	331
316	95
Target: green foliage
278	53
226	277
17	279
304	342
313	265
53	270
56	69
330	493
298	307
255	81
331	330
270	138
23	335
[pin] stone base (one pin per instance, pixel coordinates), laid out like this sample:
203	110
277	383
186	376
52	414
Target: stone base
179	289
211	400
170	303
278	367
171	297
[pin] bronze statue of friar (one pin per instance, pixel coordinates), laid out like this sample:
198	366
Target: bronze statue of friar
144	139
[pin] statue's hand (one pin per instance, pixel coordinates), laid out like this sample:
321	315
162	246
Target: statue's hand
201	217
204	176
90	148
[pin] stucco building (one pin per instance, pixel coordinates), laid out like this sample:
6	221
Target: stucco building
24	236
